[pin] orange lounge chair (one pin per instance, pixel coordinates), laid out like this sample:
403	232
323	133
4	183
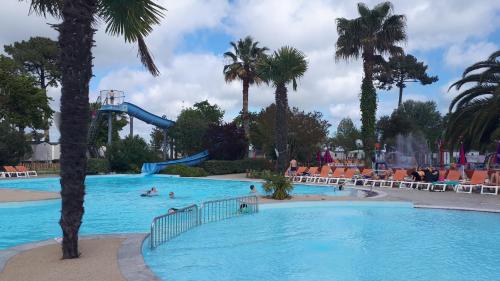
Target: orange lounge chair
398	177
298	175
23	169
336	176
452	179
478	178
485	188
12	172
313	173
324	174
348	176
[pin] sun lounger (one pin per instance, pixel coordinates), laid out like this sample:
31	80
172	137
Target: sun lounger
23	169
298	175
485	189
336	176
477	179
451	180
348	176
313	173
12	172
324	175
397	178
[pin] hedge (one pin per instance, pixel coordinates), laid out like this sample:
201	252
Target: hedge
221	167
97	166
185	171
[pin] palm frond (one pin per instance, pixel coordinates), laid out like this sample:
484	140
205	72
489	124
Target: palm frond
46	7
145	56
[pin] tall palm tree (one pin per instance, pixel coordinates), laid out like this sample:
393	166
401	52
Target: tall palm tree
284	66
243	67
475	112
132	19
373	34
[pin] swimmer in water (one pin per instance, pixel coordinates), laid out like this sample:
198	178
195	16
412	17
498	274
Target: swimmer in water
171	195
253	189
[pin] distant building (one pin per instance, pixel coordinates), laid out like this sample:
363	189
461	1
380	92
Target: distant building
45	152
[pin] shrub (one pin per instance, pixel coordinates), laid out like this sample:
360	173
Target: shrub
264	174
127	155
279	186
221	167
185	171
97	166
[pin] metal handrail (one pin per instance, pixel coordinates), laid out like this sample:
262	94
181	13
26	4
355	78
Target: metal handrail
217	210
168	226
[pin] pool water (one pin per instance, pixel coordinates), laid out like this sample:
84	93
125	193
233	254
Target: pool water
336	241
113	205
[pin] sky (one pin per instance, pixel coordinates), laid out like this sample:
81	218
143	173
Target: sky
188	47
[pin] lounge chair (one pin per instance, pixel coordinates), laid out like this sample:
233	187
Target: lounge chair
336	176
12	172
451	180
23	169
405	183
324	175
313	173
397	178
298	175
348	176
485	188
364	176
373	182
477	179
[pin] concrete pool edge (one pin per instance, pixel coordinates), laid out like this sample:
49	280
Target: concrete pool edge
129	255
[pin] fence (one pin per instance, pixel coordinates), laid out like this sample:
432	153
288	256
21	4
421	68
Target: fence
217	210
42	166
168	226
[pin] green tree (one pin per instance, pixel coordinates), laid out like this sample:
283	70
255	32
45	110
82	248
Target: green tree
413	117
346	135
22	103
132	19
399	71
39	57
284	66
192	125
129	154
307	132
243	67
375	33
474	113
13	145
156	137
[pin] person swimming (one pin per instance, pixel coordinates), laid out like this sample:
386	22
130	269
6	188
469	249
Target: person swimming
171	194
253	189
150	192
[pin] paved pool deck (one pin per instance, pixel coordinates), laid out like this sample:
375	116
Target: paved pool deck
420	199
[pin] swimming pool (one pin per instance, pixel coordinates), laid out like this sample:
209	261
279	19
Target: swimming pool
336	241
113	204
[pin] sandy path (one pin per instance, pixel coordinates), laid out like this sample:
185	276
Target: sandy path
97	262
19	195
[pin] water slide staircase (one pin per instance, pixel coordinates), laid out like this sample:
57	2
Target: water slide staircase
147	117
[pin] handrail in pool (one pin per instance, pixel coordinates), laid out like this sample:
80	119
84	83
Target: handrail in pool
168	226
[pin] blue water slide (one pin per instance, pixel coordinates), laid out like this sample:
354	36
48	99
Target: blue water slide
193	160
139	113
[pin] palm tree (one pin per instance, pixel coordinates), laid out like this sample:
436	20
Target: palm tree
132	19
375	33
243	67
284	66
475	112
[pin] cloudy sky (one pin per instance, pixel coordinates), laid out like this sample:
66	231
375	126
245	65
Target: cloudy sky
448	35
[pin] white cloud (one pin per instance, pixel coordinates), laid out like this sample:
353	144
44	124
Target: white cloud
466	54
308	25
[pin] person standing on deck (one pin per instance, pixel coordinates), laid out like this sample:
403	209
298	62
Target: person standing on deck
293	167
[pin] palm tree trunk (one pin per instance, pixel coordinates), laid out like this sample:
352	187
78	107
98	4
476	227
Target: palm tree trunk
400	85
368	106
246	120
75	40
281	126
